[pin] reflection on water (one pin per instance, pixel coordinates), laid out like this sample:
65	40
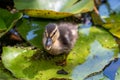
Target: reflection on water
114	5
85	28
104	11
31	34
111	70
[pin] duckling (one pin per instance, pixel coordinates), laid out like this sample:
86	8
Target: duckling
59	38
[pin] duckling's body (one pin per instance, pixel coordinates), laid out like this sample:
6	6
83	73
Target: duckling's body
60	38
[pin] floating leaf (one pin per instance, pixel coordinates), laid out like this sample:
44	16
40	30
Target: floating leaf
54	9
7	20
95	49
32	31
2	25
96	19
5	74
80	7
116	31
46	13
113	24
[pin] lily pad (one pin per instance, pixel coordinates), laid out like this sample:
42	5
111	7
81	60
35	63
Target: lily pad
46	13
113	24
4	73
54	9
93	50
2	25
32	30
7	20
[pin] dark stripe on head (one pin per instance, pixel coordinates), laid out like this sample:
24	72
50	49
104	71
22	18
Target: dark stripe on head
50	28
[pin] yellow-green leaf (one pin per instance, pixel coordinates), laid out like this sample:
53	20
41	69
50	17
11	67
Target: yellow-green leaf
113	24
46	13
54	9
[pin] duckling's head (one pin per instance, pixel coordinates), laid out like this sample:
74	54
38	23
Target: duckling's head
51	34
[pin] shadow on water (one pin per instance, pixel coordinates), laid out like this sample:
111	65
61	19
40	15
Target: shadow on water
112	68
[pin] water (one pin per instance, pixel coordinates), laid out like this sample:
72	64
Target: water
111	70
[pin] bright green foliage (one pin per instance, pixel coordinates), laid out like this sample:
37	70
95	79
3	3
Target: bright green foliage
2	25
7	20
54	9
90	55
4	74
113	24
32	31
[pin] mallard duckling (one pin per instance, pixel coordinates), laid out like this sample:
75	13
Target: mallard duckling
59	38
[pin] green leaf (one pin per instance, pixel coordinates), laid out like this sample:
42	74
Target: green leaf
113	24
32	31
5	74
92	51
54	9
97	44
46	13
96	19
2	25
81	7
31	64
4	14
8	20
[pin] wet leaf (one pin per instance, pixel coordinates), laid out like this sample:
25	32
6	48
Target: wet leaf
4	73
113	24
54	9
7	20
32	31
2	25
46	13
90	55
29	67
96	19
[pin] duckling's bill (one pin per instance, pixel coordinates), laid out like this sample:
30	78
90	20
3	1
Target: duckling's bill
48	43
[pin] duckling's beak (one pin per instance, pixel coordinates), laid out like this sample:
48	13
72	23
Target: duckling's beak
48	43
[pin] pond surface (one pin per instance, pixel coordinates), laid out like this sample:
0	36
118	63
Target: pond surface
111	70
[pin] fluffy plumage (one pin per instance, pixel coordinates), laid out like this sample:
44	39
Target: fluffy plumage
60	37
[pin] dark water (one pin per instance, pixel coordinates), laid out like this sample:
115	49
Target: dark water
112	68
